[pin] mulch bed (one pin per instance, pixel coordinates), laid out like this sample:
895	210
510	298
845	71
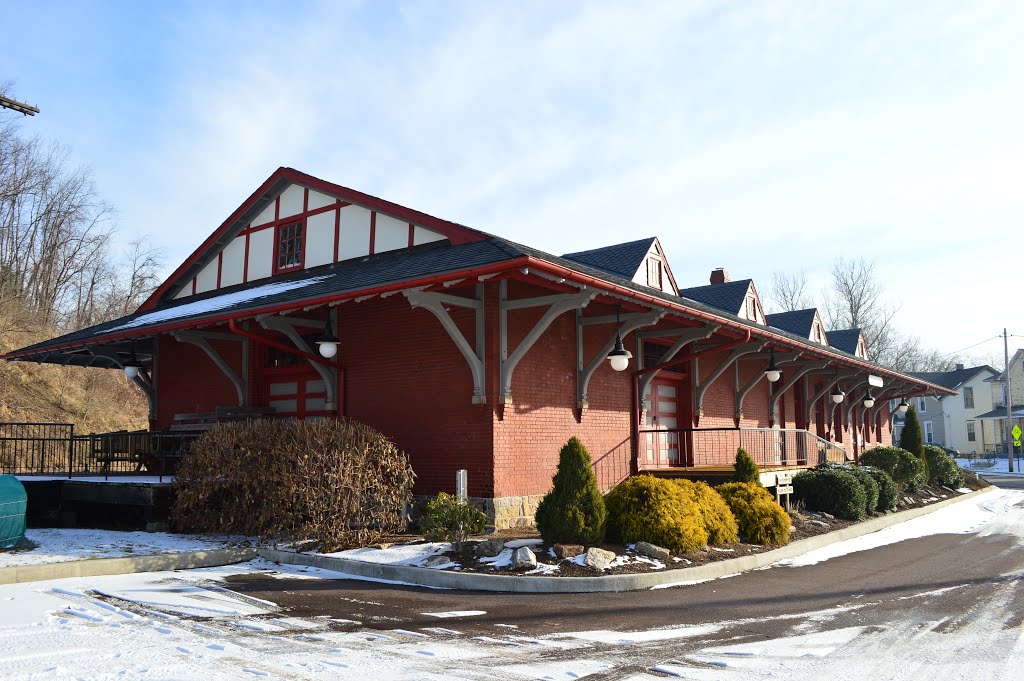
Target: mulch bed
804	524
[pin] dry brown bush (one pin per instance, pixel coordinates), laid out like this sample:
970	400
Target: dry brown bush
335	482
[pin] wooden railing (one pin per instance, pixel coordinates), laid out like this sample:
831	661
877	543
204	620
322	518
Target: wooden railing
716	447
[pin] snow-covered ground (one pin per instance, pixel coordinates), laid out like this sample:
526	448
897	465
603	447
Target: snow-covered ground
58	546
192	625
1001	466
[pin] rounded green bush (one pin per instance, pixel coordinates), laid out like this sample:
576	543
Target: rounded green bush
905	469
943	469
832	490
888	495
645	508
864	478
718	519
573	512
760	518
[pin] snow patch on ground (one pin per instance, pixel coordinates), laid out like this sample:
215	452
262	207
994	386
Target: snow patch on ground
398	554
59	546
961	518
1001	466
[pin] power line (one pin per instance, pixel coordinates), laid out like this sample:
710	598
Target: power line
987	340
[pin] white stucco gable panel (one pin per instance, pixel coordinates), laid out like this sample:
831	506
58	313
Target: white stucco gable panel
267	215
422	235
261	252
232	267
318	200
390	235
206	280
292	200
320	239
354	233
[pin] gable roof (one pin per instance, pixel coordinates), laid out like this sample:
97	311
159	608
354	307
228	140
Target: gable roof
621	259
728	297
952	379
798	322
267	192
1000	376
844	339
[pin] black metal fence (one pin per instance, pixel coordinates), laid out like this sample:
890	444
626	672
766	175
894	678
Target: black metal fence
53	449
716	447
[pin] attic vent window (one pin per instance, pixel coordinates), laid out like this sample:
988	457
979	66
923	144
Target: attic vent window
289	246
654	273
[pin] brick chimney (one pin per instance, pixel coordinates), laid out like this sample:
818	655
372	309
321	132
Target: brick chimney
720	276
959	366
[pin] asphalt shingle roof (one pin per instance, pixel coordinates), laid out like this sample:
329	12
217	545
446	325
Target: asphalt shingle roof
844	339
621	259
798	322
950	379
727	297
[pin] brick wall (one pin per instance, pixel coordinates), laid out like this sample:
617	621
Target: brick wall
189	382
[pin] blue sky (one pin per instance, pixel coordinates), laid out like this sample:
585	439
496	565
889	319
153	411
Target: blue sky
757	136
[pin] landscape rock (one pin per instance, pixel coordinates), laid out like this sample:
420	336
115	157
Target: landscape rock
828	515
819	523
599	559
652	551
489	548
568	550
434	561
523	559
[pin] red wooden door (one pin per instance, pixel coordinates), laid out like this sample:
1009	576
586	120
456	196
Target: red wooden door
664	404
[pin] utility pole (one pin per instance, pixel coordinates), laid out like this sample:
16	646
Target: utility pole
1009	404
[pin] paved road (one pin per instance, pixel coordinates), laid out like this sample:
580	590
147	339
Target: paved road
956	597
1005	481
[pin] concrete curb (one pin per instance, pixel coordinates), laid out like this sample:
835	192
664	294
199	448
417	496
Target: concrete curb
418	576
119	566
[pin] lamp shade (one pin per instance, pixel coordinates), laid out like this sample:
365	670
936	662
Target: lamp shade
838	395
327	342
131	370
772	373
902	407
869	400
619	357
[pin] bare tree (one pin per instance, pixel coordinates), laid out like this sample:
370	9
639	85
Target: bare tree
788	292
856	300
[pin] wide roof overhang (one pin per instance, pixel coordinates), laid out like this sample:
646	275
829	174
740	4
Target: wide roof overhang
314	289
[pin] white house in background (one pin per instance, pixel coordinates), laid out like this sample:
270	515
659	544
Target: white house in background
955	421
994	422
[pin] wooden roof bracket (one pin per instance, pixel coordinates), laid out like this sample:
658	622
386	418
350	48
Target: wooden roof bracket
700	388
850	402
475	357
630	323
777	391
556	306
327	371
201	341
683	336
782	359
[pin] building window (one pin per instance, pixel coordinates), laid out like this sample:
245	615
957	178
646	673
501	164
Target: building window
970	431
289	246
968	398
751	309
922	405
654	273
928	437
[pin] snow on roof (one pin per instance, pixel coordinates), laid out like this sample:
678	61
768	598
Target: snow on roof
220	302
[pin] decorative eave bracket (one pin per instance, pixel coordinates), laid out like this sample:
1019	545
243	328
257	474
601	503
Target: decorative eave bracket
782	359
289	327
475	358
700	388
775	394
683	336
202	341
630	323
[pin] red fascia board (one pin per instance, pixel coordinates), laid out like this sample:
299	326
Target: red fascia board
455	233
763	333
493	268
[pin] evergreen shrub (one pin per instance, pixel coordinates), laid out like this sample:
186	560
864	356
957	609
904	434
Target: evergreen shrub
863	477
645	508
905	469
573	512
760	518
745	468
335	482
943	468
718	519
446	519
832	490
912	440
888	495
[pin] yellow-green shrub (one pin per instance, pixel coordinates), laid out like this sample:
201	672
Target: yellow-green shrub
718	519
760	518
645	508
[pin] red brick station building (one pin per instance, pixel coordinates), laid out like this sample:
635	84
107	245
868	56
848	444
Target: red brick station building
473	352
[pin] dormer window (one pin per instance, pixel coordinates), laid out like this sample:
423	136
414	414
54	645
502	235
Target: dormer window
290	243
654	273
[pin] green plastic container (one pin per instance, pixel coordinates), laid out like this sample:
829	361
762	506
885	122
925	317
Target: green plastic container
13	505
